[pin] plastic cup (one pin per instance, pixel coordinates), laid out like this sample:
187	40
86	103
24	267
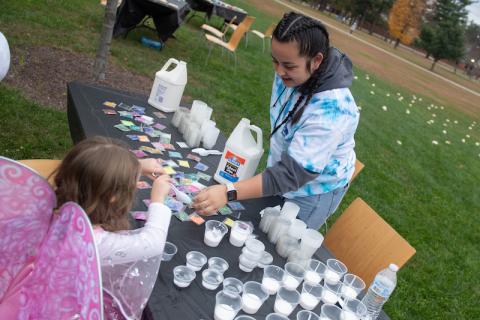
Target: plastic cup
276	316
183	276
233	284
211	279
177	116
244	317
310	296
330	312
196	260
286	301
265	260
210	137
192	135
246	264
184	123
307	315
198	108
239	233
299	257
269	215
205	126
314	271
169	251
330	293
311	241
290	210
353	309
278	228
286	245
253	297
255	245
352	285
218	264
272	279
251	254
294	274
214	232
297	229
335	270
227	305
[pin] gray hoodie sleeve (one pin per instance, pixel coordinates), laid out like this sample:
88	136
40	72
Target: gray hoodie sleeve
285	176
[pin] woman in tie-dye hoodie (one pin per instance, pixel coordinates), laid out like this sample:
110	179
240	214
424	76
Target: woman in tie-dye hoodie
313	119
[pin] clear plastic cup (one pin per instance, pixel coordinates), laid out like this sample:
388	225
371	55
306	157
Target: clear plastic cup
192	135
278	228
286	301
254	245
353	309
183	276
227	305
265	260
272	279
184	123
269	215
290	210
214	232
196	260
299	257
246	264
310	296
198	108
330	312
217	263
297	229
240	233
307	315
314	271
276	316
352	285
169	251
311	241
177	116
211	279
294	274
233	284
286	245
244	317
331	293
253	297
251	255
335	271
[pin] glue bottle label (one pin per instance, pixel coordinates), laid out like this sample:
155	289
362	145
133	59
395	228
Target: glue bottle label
160	93
233	164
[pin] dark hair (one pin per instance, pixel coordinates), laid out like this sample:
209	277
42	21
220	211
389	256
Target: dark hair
100	174
312	38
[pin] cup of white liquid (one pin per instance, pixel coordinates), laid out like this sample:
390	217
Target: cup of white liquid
214	232
272	278
240	232
352	285
211	279
286	301
227	305
314	271
330	312
294	274
307	315
330	293
196	260
253	297
353	309
311	241
183	276
311	296
335	271
217	263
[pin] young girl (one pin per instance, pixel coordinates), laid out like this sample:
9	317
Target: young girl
100	174
313	119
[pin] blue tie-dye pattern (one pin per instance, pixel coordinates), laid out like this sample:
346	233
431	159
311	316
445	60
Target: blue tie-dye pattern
305	141
348	99
331	168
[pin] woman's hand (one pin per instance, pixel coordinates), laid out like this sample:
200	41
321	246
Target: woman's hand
160	188
151	167
210	199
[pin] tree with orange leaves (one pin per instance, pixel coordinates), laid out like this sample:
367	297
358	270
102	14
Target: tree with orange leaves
405	19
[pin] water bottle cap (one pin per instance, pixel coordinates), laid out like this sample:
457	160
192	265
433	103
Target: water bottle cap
393	267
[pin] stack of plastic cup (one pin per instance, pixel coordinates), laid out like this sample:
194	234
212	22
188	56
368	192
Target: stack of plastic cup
269	215
352	285
240	233
178	115
294	274
253	297
311	296
210	137
184	123
290	210
251	255
286	301
335	271
227	305
214	232
272	279
314	271
311	241
278	228
192	135
200	111
290	241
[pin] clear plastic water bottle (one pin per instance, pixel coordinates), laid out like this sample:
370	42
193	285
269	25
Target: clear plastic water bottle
380	290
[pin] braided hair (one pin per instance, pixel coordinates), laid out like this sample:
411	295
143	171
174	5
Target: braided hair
312	38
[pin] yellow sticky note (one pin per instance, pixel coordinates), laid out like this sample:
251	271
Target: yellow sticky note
110	104
127	123
228	222
169	170
184	163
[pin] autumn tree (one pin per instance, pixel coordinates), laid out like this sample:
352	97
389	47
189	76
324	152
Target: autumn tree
405	19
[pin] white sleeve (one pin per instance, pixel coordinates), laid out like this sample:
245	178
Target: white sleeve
133	245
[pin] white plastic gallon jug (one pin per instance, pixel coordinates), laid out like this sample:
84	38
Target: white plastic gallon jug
241	155
168	86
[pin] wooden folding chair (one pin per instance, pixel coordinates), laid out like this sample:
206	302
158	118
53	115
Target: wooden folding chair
44	167
247	23
218	33
358	167
267	35
362	240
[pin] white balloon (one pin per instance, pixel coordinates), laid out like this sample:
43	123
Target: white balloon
4	56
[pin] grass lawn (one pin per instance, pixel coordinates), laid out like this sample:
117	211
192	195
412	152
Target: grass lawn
426	191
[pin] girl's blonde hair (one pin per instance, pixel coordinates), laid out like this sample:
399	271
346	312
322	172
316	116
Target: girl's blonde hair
100	174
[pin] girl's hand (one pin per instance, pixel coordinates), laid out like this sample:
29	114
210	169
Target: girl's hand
151	167
160	188
210	199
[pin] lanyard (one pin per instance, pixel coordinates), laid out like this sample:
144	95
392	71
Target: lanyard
276	127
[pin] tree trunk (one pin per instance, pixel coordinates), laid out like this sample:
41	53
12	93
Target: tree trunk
105	38
433	64
397	42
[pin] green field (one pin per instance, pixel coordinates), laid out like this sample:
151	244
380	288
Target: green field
425	187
